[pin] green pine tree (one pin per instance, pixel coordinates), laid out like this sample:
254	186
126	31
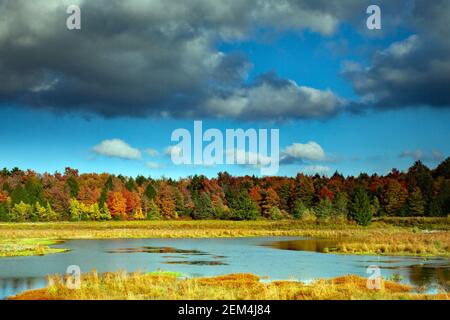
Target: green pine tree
153	212
299	209
324	209
415	203
360	208
341	204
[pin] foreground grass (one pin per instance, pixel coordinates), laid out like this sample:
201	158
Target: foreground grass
28	247
138	286
394	236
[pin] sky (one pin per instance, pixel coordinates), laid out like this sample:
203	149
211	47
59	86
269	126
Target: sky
107	98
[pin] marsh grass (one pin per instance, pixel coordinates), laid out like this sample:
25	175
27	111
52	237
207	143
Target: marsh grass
139	286
28	247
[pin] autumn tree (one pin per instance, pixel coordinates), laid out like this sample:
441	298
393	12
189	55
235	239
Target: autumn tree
117	205
166	202
269	202
394	198
304	190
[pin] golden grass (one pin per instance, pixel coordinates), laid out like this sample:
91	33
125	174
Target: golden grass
138	286
402	242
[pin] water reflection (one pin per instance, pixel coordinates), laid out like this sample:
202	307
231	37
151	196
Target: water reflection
314	245
12	286
147	249
175	259
198	262
425	277
426	274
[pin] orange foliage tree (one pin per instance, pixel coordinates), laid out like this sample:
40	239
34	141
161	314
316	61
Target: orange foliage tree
117	205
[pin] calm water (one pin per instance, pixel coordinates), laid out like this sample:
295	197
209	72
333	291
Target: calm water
274	258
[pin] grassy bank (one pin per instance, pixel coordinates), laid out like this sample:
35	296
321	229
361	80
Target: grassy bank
423	237
28	247
137	286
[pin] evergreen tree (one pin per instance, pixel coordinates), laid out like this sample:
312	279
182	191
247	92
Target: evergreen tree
105	215
375	206
73	186
150	192
203	207
324	209
435	207
131	185
445	197
34	191
4	213
299	209
51	214
19	195
243	207
415	202
153	213
341	204
360	209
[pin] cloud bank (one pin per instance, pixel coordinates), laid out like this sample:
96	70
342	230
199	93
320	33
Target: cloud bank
161	58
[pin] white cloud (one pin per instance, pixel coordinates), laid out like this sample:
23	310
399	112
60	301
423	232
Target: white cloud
402	48
117	148
316	169
154	165
152	152
418	154
311	151
174	150
256	160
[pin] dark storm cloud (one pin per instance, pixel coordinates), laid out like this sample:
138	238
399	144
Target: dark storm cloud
413	72
160	58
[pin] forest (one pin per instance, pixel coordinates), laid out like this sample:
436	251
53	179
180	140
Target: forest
27	196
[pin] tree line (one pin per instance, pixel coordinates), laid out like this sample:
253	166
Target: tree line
70	196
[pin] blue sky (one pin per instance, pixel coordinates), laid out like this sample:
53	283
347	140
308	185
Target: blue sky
54	118
369	143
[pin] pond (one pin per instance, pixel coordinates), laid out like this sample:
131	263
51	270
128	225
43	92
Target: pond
287	258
